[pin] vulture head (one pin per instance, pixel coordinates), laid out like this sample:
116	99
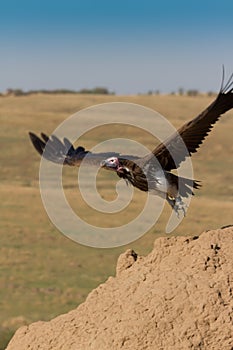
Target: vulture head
117	165
111	163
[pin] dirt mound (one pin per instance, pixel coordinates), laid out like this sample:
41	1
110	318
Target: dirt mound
178	297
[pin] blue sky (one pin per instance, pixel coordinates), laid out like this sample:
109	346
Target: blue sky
127	46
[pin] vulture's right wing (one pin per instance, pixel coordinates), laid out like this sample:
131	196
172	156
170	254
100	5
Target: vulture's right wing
56	151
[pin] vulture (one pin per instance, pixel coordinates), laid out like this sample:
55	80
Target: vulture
152	172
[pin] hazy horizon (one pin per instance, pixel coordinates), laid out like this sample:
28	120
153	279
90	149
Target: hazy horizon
128	47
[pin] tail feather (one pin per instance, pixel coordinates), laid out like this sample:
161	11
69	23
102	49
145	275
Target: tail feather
184	189
184	186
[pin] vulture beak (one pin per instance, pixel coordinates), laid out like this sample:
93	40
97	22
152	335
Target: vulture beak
108	164
103	164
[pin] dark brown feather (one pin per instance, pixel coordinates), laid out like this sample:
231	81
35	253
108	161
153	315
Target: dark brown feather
173	151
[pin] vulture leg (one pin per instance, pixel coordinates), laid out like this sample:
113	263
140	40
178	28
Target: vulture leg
177	205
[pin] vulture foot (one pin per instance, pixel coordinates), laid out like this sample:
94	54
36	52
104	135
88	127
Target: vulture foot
177	205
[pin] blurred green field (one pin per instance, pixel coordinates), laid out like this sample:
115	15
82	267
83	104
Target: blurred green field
44	274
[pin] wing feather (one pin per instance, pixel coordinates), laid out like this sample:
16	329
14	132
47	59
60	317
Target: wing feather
192	134
54	150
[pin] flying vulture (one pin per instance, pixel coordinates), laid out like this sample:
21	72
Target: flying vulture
152	172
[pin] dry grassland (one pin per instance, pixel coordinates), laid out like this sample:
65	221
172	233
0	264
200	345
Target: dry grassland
42	272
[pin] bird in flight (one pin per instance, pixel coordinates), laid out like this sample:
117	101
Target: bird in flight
152	172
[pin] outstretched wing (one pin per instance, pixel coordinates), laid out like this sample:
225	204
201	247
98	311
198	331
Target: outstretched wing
63	152
172	152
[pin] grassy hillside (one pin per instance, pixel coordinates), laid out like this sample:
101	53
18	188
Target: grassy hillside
42	273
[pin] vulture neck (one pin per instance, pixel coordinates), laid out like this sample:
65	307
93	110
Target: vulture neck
132	173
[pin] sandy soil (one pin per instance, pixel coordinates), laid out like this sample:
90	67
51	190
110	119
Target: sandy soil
180	296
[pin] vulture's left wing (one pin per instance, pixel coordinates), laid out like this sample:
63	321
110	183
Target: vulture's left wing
194	132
